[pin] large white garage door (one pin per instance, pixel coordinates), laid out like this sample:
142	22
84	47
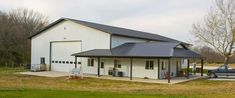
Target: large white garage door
61	59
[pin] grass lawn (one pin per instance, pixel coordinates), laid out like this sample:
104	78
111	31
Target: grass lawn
14	85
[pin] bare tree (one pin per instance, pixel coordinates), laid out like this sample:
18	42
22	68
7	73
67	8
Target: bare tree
1	13
211	55
217	29
15	28
32	21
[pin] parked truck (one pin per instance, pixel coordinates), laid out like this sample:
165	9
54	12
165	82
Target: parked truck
223	70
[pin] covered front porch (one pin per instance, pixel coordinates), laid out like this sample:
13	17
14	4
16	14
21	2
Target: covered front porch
158	61
141	68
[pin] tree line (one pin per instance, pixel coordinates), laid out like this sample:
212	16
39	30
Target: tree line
15	28
211	55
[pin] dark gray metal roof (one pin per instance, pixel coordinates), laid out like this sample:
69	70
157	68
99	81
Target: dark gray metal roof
153	49
114	31
161	49
185	53
124	32
95	52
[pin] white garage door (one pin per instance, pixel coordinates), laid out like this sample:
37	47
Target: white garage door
61	59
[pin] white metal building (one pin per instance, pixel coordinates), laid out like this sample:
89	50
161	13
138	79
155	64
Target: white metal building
55	44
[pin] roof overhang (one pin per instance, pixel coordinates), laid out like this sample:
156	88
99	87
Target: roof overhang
142	50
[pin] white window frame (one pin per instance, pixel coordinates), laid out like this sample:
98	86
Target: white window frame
90	62
149	64
117	64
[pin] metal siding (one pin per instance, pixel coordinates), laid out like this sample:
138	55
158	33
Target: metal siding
67	31
119	40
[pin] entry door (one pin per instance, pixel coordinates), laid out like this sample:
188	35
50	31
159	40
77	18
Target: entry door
102	66
178	67
163	67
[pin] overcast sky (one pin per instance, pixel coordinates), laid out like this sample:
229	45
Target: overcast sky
171	18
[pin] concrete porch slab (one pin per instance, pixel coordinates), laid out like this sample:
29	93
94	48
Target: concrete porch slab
174	80
161	81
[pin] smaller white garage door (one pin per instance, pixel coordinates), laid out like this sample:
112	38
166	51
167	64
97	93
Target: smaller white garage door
61	59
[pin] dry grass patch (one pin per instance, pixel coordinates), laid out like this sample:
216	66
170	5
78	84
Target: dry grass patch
202	87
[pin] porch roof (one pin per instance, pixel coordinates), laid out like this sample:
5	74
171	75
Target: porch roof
143	50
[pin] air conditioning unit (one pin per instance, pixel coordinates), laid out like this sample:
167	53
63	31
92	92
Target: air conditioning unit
38	67
35	67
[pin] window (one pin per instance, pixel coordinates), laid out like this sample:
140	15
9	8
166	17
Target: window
59	61
91	62
67	62
102	65
149	65
222	68
75	62
52	61
63	62
56	61
163	65
42	59
117	64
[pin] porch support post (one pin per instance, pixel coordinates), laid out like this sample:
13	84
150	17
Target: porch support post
131	70
188	69
50	56
98	71
201	67
76	62
169	71
158	69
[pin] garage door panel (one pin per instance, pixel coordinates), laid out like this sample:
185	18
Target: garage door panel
61	55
